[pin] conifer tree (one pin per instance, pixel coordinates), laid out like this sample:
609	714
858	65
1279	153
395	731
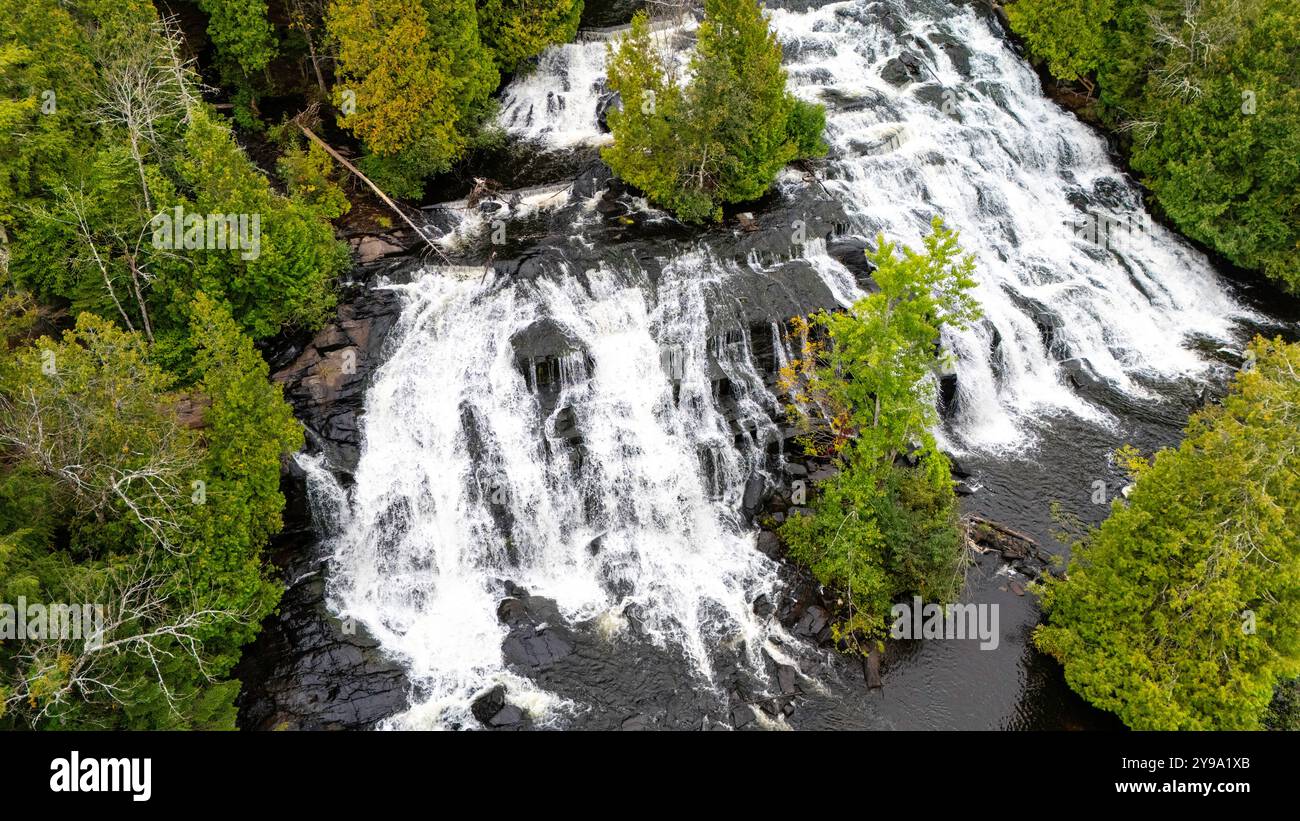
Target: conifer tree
413	84
723	136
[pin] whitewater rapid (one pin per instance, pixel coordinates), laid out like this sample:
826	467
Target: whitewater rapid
466	481
456	433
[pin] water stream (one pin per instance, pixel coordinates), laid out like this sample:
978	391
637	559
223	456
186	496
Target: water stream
613	485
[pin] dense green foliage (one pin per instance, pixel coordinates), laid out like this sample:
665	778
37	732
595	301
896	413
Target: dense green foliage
416	79
240	32
880	529
516	30
140	452
1207	92
721	137
138	144
106	497
1182	611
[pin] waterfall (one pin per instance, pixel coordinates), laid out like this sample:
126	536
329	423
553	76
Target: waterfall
556	102
930	113
614	482
456	433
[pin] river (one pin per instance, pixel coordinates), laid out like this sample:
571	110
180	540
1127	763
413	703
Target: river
576	409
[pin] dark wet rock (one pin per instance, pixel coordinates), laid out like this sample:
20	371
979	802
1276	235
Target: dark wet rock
325	377
763	606
957	467
895	73
852	254
489	704
510	716
590	181
876	14
531	649
753	497
512	612
841	100
948	393
814	623
604	103
769	544
944	99
742	715
957	52
794	470
1080	373
538	636
610	206
906	68
307	670
636	723
787	679
515	591
544	338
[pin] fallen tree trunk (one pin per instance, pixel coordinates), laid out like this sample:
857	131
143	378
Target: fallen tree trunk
311	135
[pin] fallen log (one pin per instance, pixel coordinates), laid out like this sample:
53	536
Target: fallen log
329	149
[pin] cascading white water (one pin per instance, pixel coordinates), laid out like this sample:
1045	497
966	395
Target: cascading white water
556	102
453	426
982	147
454	432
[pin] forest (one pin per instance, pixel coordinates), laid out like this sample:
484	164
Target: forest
173	205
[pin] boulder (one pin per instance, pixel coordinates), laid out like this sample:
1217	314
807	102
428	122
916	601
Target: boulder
489	704
369	249
814	621
769	544
753	497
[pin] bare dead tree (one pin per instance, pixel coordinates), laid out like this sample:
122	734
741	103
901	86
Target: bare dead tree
60	429
144	88
142	618
303	16
308	115
1189	44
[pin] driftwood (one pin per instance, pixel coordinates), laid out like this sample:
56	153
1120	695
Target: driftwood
984	534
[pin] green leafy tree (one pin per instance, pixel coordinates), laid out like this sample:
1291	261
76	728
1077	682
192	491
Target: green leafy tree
650	148
413	84
864	393
93	421
517	30
723	136
1205	94
241	32
308	173
289	279
164	529
1069	35
1182	611
85	228
45	83
248	429
737	75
